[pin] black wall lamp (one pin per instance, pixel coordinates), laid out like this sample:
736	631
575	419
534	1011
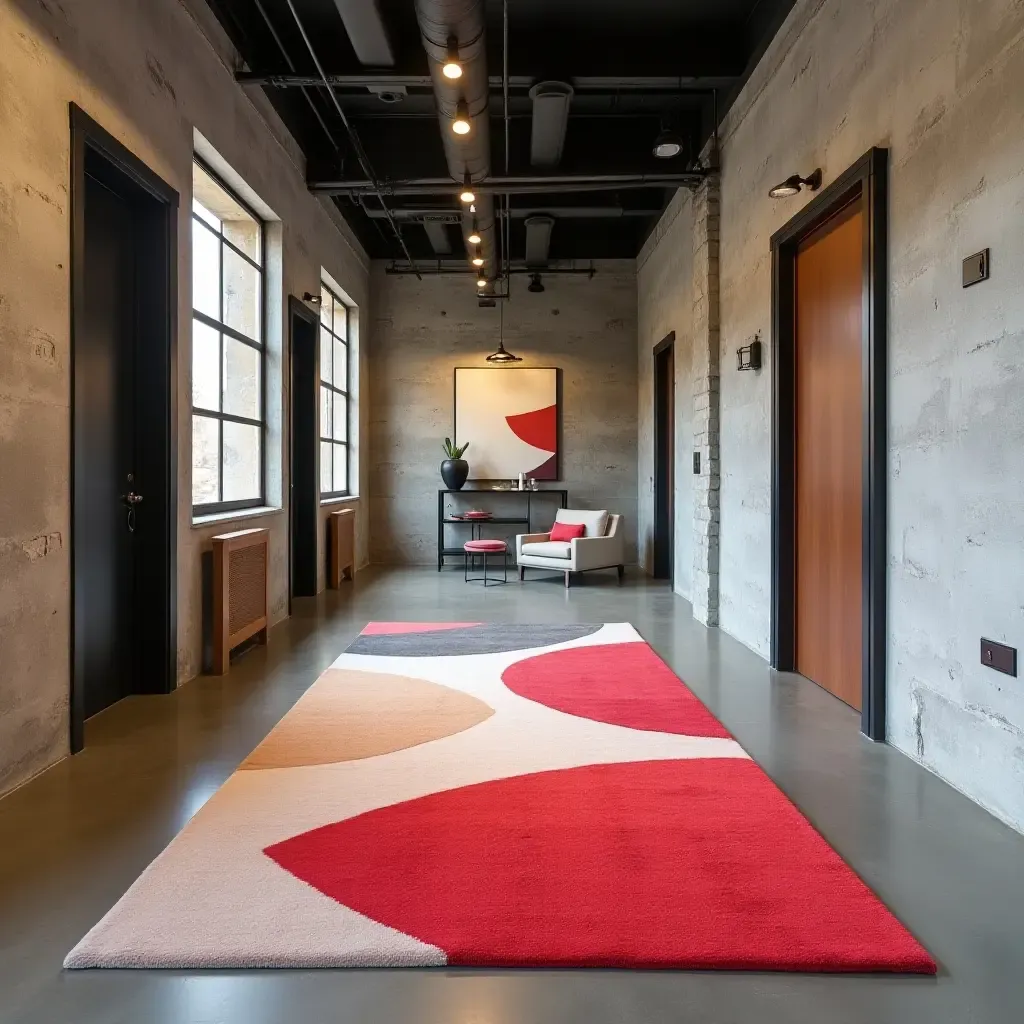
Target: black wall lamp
794	183
309	297
748	357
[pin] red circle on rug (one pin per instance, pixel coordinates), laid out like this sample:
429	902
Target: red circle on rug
689	864
621	684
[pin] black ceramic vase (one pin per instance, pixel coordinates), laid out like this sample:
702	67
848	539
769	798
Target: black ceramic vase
454	473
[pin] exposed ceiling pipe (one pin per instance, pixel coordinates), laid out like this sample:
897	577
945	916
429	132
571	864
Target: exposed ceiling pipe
538	240
364	160
366	32
551	102
521	185
462	21
437	233
518	213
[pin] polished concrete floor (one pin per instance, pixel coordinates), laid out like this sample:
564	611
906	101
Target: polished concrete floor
75	838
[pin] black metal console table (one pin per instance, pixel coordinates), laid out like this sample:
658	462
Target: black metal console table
443	520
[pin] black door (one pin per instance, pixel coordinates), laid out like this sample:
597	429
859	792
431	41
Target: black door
664	457
105	372
305	436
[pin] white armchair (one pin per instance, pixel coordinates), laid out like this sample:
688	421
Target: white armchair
601	547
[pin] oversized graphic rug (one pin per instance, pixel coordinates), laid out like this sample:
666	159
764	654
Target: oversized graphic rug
500	795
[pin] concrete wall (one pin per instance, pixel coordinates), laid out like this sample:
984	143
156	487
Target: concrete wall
151	73
938	83
424	329
665	303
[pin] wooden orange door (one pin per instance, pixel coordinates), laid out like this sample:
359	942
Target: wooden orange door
829	585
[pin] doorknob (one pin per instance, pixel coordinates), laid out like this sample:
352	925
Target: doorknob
131	499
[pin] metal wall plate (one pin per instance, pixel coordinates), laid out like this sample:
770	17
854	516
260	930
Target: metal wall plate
976	268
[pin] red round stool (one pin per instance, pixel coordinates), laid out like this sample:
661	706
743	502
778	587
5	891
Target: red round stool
484	548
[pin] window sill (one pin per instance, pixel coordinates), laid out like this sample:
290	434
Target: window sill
326	502
236	516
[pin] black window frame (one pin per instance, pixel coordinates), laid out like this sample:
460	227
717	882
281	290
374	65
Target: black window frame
332	495
219	507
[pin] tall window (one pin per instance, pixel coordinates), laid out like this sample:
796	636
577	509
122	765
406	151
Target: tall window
227	349
334	370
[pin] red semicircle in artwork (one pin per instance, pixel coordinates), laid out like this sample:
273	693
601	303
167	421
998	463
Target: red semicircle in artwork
620	684
538	428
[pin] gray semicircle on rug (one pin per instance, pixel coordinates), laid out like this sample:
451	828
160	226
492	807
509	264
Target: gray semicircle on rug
492	638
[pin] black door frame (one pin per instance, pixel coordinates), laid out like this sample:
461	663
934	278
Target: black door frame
664	528
158	423
867	178
303	397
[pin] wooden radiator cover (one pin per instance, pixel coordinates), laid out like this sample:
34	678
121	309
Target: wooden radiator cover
241	603
341	533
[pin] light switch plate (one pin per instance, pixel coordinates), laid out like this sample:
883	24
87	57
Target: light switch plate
999	656
976	268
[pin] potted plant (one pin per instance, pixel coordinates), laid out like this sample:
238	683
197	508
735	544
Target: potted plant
454	469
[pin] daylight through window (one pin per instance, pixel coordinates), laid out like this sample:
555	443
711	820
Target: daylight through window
228	369
334	395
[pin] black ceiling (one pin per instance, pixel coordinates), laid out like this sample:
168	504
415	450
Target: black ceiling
635	65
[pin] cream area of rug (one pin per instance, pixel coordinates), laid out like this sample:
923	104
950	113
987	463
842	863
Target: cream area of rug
499	795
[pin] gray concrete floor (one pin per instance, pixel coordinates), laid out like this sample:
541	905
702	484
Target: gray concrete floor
74	839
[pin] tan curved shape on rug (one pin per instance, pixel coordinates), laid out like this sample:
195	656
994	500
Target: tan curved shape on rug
347	715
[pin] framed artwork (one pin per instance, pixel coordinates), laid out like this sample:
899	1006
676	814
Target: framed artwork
511	417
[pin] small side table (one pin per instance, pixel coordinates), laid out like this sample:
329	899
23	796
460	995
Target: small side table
472	548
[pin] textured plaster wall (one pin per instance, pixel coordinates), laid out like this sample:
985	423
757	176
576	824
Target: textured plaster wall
424	329
665	303
150	73
939	84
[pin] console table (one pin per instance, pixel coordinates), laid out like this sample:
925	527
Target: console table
526	520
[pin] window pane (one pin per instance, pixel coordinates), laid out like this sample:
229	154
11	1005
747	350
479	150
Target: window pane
325	466
241	461
241	295
340	467
201	211
340	366
340	418
325	411
340	321
205	459
326	307
205	366
246	234
241	379
205	270
325	355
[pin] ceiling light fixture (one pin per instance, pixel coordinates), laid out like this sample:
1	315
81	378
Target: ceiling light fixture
478	260
536	284
481	282
667	145
451	67
794	183
502	355
461	125
474	236
467	195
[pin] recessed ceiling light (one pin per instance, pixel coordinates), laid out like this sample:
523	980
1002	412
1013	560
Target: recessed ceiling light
794	183
667	144
451	67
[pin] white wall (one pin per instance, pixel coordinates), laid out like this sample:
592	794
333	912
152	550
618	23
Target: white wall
939	83
150	73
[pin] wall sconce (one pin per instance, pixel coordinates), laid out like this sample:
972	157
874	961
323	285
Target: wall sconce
748	357
312	299
794	183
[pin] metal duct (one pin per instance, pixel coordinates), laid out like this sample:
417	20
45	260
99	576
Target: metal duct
550	116
538	239
438	235
366	32
463	20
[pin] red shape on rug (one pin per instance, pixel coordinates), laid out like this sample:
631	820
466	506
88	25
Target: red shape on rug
621	684
538	427
698	863
378	628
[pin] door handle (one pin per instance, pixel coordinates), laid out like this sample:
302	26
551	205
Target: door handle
131	499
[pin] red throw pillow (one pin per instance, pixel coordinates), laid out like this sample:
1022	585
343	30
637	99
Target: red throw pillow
567	531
